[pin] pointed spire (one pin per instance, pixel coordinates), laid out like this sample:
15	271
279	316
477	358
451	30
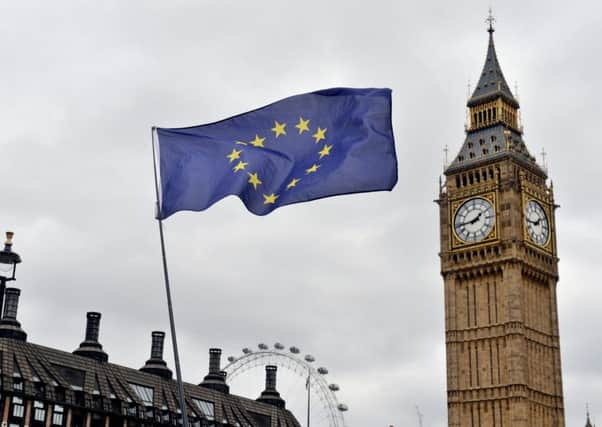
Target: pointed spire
588	422
492	82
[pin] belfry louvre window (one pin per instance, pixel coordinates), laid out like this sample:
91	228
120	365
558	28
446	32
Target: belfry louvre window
145	393
207	408
39	411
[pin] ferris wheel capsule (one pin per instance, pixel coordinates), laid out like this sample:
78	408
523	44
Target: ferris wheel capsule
342	407
295	350
309	358
322	370
231	359
262	346
247	350
334	387
278	346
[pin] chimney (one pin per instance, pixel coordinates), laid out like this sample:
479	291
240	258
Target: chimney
156	365
90	347
215	379
270	395
9	326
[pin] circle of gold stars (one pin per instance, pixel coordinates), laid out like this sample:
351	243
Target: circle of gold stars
279	129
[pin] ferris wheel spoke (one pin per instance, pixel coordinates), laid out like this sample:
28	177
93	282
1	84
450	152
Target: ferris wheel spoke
324	403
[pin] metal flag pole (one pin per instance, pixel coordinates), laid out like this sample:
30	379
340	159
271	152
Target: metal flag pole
308	386
172	323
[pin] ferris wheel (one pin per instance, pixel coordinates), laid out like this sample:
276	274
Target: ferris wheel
319	404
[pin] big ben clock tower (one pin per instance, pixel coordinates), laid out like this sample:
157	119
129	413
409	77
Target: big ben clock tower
500	270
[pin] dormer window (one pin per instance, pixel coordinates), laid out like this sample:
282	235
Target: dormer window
472	155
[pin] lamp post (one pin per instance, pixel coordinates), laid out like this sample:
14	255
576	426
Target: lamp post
8	265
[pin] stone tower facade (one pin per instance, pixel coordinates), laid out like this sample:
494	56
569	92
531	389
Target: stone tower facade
499	267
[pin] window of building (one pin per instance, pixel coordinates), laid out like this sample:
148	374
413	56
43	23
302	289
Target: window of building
17	380
58	415
261	419
206	407
18	408
39	411
131	410
146	394
96	420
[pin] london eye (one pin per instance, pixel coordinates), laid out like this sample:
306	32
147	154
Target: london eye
302	383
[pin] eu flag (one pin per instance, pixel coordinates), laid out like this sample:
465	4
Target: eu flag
320	144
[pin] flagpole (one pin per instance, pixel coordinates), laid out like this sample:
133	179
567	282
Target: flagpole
172	323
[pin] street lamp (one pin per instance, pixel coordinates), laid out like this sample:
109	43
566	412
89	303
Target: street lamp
8	264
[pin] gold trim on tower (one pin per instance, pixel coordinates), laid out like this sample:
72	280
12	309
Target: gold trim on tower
456	242
549	245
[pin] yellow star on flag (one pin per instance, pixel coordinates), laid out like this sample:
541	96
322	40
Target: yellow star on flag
254	180
302	125
270	199
257	142
235	154
325	151
313	169
293	183
320	134
240	166
278	128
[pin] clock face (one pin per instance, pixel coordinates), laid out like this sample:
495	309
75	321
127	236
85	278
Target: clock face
474	220
537	223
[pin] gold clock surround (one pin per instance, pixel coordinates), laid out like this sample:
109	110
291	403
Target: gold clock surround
456	242
549	245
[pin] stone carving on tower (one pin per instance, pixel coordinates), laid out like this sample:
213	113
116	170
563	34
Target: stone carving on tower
500	270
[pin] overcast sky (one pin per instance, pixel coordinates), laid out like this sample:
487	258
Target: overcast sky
353	280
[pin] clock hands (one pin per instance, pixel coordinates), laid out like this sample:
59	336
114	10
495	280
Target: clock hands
472	221
535	223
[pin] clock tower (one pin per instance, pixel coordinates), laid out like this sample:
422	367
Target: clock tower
500	270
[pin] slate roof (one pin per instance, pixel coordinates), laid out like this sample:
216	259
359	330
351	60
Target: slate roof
490	144
72	380
492	82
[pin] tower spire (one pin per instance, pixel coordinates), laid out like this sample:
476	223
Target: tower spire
492	82
588	423
493	127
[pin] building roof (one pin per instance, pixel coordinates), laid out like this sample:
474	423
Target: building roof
497	140
65	378
490	144
492	82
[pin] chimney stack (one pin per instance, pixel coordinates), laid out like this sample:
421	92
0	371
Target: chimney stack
215	379
90	347
9	326
270	395
156	365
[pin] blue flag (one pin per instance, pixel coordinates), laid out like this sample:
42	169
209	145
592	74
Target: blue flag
320	144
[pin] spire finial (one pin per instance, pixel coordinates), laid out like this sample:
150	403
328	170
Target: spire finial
490	20
446	152
544	155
